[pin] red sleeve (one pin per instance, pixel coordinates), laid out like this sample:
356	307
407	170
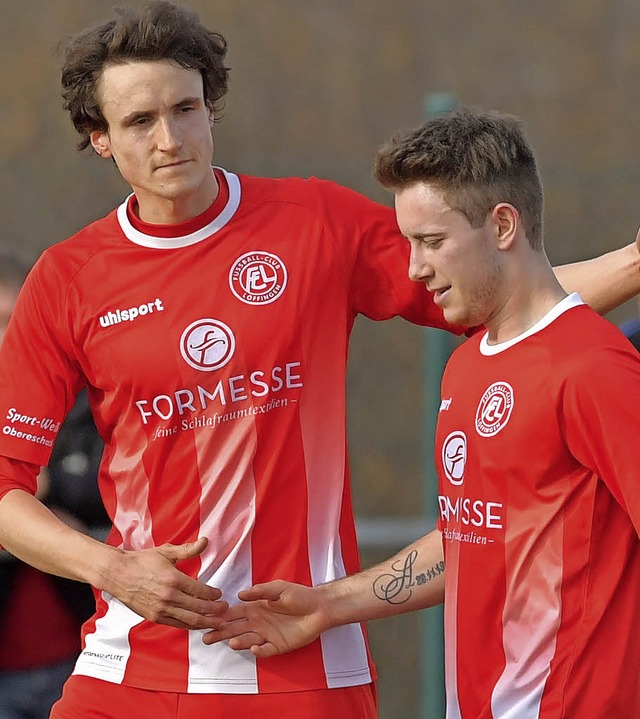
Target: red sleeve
39	376
15	474
377	259
600	415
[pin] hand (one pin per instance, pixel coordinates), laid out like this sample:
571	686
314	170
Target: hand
274	618
149	583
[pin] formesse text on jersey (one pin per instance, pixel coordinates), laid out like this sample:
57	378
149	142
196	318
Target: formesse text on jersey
230	390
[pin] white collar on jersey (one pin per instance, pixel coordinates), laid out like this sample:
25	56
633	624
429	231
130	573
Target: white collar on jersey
169	243
572	300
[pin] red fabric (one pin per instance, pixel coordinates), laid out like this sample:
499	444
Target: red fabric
539	499
17	474
88	698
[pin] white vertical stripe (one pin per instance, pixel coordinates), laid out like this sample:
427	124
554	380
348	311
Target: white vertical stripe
227	510
322	424
132	518
530	620
452	568
107	650
345	656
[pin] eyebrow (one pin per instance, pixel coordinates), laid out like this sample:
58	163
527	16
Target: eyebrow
427	235
195	100
133	116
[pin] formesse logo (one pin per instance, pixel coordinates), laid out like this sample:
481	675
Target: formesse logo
207	344
190	402
468	511
454	457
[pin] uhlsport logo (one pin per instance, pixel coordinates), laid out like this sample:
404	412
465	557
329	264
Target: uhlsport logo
494	409
258	278
454	457
130	314
207	344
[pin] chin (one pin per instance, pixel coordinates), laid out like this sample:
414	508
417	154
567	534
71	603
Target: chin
455	317
462	319
177	189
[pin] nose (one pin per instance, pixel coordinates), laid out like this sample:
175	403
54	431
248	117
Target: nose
168	135
419	268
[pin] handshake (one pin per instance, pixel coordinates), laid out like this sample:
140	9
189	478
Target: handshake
274	618
278	616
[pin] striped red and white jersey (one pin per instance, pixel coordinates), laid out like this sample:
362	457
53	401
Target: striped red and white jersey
214	354
539	499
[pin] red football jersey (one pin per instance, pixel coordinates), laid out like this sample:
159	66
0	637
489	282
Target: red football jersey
214	354
540	512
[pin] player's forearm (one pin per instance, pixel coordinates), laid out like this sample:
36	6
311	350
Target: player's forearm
36	536
412	579
604	282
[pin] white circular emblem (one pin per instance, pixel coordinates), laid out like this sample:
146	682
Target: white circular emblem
207	344
258	278
494	409
454	457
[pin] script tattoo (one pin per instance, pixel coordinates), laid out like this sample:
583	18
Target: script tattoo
396	588
430	573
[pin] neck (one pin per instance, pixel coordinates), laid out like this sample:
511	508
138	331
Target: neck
531	291
157	210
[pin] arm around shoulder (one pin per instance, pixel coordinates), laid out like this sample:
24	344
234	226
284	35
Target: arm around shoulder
607	281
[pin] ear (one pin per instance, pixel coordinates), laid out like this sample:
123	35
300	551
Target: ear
101	143
506	224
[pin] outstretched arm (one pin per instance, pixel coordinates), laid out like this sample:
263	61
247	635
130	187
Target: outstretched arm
279	616
607	281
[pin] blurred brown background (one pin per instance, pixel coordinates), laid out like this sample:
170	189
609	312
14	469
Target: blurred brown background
316	86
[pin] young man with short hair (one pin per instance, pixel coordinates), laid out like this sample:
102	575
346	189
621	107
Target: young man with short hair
536	555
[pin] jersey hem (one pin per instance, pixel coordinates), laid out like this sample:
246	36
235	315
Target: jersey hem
333	680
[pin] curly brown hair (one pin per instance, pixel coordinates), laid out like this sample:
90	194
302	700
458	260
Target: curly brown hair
476	159
161	30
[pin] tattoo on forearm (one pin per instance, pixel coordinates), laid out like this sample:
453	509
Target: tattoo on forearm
396	588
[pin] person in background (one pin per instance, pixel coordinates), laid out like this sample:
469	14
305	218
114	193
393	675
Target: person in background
41	614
